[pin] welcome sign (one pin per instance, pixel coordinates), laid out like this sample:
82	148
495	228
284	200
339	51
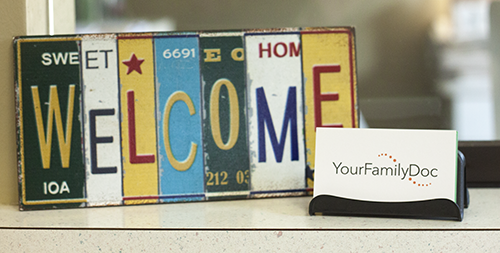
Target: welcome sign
114	119
389	172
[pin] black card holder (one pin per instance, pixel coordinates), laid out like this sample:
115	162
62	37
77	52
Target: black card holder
432	209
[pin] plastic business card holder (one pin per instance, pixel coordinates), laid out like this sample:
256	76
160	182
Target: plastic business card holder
431	209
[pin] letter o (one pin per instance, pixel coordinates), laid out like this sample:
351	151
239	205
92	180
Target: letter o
50	188
342	170
235	52
422	172
233	114
178	165
285	49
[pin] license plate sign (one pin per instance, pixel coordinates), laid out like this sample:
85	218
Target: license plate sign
119	119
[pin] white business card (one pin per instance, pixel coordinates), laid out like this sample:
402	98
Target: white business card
386	165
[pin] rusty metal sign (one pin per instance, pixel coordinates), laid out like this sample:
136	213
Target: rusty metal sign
119	119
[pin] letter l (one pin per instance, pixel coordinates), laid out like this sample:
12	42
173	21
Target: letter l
134	157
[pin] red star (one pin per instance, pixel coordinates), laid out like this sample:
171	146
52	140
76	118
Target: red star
134	64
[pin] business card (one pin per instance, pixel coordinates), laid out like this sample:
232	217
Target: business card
386	165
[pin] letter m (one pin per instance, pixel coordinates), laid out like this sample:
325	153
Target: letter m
264	118
54	111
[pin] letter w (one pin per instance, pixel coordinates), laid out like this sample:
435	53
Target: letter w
45	140
264	118
60	58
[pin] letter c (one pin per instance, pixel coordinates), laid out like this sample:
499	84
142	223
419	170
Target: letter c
432	172
178	165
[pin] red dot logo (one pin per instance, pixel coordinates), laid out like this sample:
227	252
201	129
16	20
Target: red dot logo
412	180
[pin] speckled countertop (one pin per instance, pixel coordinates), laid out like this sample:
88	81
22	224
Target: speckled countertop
271	224
273	213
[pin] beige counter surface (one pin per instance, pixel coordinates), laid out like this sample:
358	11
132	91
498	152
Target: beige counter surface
266	224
